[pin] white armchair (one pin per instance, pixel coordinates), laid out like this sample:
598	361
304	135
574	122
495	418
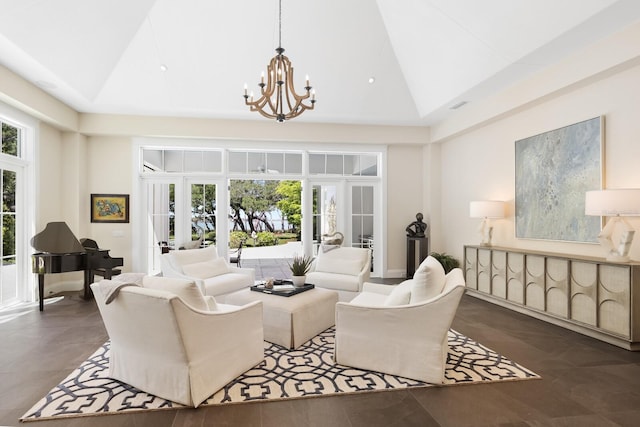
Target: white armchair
400	330
211	273
343	269
163	345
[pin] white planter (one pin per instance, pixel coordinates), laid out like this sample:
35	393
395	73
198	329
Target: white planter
298	281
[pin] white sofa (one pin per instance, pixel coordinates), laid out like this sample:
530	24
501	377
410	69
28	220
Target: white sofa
401	330
210	272
169	340
342	269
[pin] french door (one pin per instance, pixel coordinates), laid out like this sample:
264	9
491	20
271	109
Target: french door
347	207
178	211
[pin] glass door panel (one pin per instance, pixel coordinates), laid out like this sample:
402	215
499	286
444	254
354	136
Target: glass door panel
362	217
203	213
326	218
161	222
9	292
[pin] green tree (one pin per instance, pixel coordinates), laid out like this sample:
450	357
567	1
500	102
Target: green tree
290	203
10	140
253	199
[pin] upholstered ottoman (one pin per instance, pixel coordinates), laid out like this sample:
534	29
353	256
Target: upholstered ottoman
292	321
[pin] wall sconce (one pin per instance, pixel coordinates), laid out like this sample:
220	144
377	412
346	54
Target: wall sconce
617	204
487	210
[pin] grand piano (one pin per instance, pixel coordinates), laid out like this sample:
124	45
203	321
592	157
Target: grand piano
59	251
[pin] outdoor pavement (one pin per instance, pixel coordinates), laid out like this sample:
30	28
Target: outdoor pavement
271	261
288	250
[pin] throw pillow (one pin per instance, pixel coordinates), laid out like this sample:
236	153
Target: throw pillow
206	269
400	295
186	290
428	280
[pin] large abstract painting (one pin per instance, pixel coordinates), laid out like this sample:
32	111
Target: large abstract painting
553	172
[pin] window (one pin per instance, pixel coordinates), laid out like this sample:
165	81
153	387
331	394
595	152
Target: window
343	164
179	161
11	137
16	212
189	197
243	162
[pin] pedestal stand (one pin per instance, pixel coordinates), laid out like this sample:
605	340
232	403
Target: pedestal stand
417	251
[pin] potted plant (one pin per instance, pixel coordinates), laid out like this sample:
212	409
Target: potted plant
299	268
448	261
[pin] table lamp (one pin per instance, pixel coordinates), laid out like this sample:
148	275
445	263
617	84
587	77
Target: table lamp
617	204
487	210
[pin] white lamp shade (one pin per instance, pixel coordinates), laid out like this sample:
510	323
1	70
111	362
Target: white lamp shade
622	202
486	209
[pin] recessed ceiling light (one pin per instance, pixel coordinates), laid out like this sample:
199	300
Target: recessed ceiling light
163	67
372	80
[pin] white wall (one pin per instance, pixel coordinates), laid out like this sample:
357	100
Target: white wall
57	193
479	165
109	171
49	184
405	198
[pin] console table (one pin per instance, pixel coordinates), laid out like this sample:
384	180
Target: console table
588	295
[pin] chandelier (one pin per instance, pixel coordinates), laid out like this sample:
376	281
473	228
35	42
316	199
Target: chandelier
278	98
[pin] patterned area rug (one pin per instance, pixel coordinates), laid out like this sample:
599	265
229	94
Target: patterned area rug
307	371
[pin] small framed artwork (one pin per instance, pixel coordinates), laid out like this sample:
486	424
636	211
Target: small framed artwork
109	208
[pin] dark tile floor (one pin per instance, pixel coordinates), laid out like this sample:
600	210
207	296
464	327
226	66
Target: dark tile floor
585	382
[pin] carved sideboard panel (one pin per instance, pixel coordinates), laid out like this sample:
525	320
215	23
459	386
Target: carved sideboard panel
584	285
588	295
515	277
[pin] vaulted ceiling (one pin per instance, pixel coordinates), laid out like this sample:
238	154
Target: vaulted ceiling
424	56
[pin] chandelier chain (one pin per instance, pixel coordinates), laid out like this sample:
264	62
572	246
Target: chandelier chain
279	23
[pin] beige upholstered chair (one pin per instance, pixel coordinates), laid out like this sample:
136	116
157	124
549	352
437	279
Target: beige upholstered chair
169	340
401	330
211	273
341	269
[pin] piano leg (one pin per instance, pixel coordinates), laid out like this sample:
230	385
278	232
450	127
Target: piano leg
87	282
41	291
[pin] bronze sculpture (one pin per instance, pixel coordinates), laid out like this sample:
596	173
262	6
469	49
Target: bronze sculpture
417	228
